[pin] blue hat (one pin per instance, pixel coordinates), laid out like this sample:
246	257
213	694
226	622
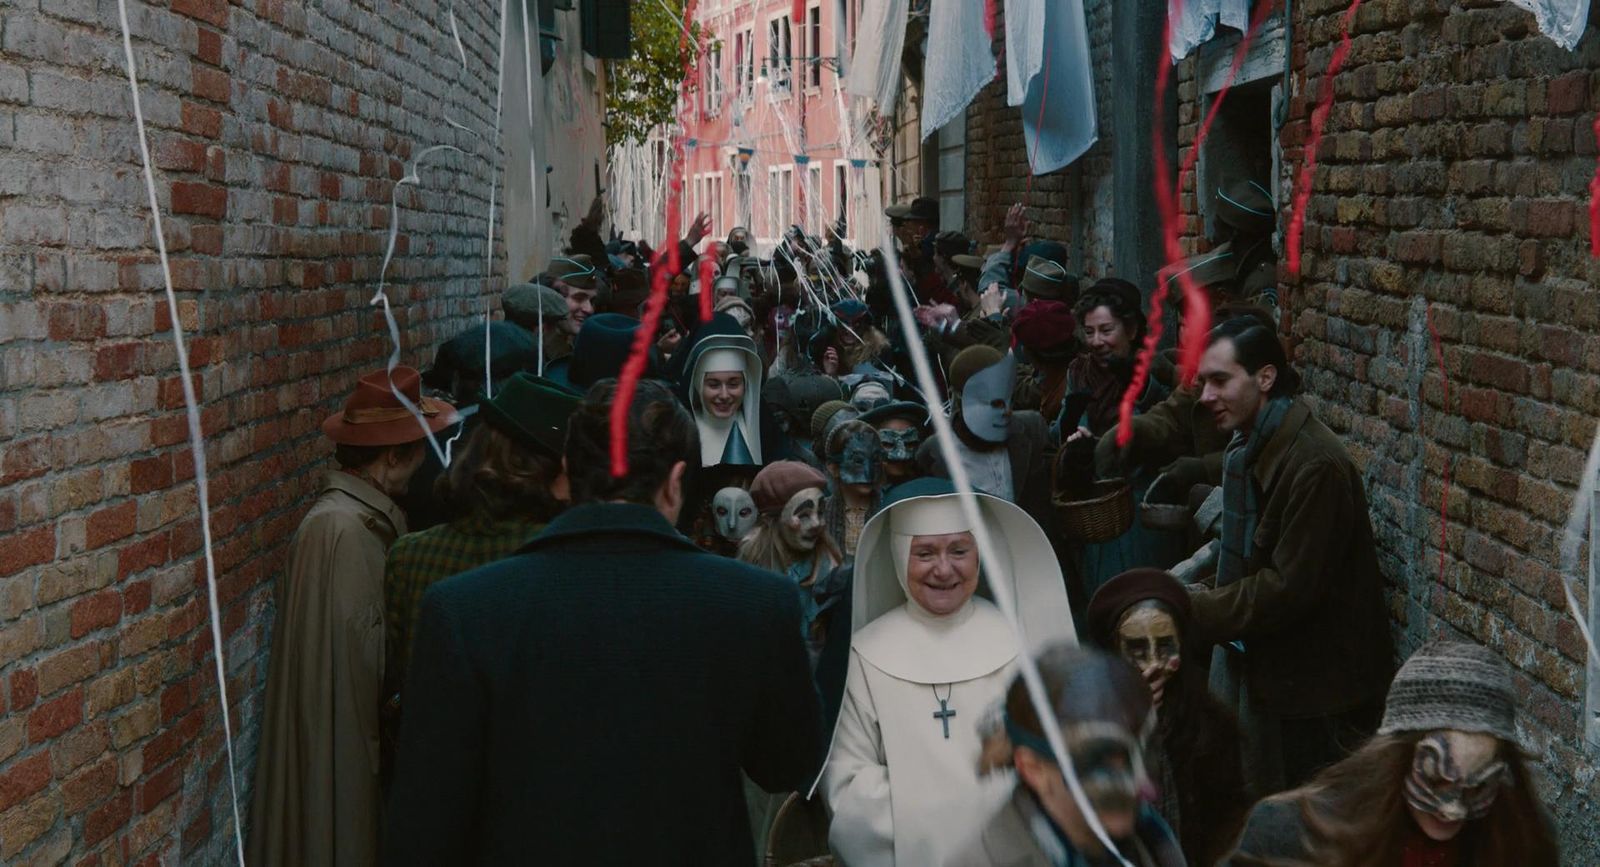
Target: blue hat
601	349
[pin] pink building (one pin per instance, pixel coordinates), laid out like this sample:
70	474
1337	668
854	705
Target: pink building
771	145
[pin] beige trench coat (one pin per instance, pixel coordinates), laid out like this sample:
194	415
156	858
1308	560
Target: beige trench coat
316	785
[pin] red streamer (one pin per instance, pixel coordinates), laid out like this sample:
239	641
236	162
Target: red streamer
1319	119
1196	306
1594	199
990	13
667	262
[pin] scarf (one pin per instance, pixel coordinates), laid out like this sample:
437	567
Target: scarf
1241	496
1105	384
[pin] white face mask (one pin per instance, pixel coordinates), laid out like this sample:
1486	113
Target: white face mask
986	400
734	513
800	523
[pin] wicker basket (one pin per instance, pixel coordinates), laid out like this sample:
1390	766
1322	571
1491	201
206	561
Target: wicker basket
1105	516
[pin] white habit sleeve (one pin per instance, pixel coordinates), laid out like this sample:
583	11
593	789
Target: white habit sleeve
856	780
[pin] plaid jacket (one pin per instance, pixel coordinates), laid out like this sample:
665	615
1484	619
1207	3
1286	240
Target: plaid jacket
417	560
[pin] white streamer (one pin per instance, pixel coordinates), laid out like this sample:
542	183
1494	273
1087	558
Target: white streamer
1572	541
998	577
197	446
381	297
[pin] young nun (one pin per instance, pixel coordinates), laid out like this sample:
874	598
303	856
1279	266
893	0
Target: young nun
723	390
929	654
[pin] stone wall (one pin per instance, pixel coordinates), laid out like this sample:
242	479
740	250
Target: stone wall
279	130
1450	195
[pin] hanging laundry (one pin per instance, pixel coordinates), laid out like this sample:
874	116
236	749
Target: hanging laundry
965	61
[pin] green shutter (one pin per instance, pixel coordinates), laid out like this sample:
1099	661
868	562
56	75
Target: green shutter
607	28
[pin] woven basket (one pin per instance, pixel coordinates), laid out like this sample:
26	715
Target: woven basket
1101	518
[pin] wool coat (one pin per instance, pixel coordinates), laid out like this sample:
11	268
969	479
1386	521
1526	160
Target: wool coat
593	700
1310	608
316	791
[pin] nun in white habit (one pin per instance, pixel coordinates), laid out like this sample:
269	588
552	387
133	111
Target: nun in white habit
724	393
930	654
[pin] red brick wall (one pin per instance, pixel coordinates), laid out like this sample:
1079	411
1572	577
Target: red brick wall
278	130
1454	173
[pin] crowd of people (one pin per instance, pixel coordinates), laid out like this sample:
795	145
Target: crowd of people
774	640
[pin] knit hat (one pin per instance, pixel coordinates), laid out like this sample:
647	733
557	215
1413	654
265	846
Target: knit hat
1452	685
1128	589
824	413
780	480
969	361
1044	325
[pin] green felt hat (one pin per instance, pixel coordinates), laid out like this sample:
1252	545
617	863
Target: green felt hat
533	411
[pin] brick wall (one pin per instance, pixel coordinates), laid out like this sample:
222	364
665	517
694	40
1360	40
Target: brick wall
1453	174
279	130
1073	204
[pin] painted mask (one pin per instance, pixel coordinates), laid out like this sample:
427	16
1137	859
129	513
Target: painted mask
1147	636
859	459
734	512
899	445
800	523
1110	764
986	400
1455	776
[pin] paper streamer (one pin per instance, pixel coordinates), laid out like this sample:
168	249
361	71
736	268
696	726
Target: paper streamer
1594	198
998	577
1319	120
197	445
1572	542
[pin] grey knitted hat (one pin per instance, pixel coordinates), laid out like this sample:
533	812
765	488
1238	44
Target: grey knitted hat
1452	685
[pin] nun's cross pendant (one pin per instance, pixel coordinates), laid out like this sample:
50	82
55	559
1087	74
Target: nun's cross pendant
943	715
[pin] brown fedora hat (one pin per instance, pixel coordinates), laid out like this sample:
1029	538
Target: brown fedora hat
373	416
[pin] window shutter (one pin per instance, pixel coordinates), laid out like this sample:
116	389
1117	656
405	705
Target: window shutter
607	28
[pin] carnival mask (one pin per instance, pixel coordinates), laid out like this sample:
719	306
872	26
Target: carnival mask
899	445
800	523
734	512
859	458
1455	776
986	400
1110	764
1147	637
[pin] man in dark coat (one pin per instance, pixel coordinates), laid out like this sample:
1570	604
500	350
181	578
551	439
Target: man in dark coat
1298	607
593	699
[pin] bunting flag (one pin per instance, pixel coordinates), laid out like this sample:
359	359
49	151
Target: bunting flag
958	63
1024	46
875	66
1197	22
1058	116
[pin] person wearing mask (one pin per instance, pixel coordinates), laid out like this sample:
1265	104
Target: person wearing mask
317	770
1443	784
1193	752
594	699
1099	706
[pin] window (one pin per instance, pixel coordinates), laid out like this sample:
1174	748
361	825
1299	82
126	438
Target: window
816	209
713	82
780	200
779	53
841	194
851	14
743	58
814	47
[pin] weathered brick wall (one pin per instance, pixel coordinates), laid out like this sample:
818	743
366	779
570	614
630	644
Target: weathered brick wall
1070	205
279	130
1453	179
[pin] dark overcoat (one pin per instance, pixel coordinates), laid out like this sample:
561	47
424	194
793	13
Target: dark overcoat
593	699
